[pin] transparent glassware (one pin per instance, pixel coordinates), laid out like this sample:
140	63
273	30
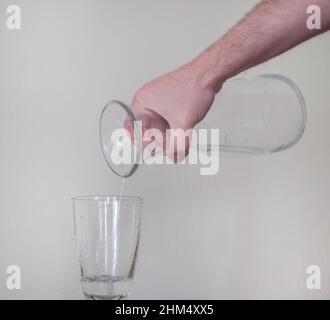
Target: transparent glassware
257	115
254	115
107	232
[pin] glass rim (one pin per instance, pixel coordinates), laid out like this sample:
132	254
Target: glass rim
132	119
107	198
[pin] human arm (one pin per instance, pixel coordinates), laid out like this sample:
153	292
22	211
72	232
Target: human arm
181	98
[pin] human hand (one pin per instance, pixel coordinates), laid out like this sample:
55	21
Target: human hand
176	100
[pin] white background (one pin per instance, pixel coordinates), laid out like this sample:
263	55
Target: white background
248	232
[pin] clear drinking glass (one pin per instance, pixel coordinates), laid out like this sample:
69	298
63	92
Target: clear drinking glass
107	236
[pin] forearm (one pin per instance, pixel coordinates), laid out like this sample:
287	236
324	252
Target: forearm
273	27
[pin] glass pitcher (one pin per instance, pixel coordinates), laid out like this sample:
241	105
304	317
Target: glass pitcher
254	115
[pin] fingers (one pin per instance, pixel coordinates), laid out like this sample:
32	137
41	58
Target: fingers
153	127
178	144
157	134
173	136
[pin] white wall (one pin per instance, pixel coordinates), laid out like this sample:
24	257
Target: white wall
249	232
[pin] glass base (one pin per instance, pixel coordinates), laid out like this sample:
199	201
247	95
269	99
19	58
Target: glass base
93	297
106	287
